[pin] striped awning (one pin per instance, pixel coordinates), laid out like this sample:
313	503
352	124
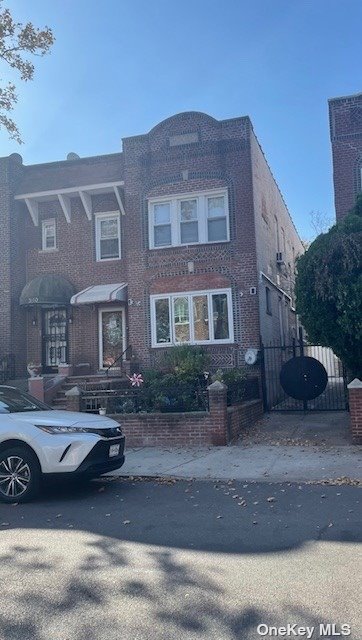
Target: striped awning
101	293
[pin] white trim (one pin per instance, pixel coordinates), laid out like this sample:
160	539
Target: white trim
33	209
103	216
87	203
61	190
63	196
47	223
119	200
64	202
189	294
108	309
175	217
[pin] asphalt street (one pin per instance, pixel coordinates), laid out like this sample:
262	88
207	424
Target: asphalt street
131	559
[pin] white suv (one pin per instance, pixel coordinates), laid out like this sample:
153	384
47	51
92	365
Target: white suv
37	442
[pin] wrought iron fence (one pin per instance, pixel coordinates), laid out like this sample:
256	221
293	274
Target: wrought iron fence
140	401
7	368
173	399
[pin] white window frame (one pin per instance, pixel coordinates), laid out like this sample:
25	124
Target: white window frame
189	294
175	213
98	217
47	223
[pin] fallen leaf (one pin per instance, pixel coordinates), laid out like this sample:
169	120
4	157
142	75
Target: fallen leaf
271	499
218	517
126	522
330	524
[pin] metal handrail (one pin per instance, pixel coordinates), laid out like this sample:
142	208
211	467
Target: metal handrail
120	357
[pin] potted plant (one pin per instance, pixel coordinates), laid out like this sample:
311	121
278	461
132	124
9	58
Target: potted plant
34	369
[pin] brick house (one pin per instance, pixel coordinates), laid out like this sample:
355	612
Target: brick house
182	237
345	118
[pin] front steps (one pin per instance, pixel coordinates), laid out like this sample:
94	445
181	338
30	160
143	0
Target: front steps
87	383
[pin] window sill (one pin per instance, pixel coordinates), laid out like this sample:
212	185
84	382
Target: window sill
108	259
190	244
55	250
204	343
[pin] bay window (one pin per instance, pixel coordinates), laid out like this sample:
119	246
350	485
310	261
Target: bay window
189	219
198	317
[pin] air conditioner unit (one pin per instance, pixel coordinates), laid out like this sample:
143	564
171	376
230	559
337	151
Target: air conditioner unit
280	259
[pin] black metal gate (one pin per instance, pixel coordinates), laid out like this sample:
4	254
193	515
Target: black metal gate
333	398
55	338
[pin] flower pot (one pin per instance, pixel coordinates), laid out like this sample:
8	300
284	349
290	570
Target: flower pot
34	370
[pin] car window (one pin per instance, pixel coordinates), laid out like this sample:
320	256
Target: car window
15	401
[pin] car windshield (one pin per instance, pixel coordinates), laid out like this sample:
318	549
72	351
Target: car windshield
15	401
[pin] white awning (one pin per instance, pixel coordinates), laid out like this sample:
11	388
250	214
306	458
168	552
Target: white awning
101	293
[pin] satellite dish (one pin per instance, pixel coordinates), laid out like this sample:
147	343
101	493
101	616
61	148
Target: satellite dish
72	156
251	356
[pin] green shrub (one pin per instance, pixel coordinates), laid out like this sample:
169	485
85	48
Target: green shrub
235	380
186	361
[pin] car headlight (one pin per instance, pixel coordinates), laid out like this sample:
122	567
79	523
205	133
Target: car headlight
60	429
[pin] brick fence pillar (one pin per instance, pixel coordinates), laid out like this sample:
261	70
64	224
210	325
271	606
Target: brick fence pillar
74	399
36	387
218	412
355	408
65	369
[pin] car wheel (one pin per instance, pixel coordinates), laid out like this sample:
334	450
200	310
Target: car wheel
20	475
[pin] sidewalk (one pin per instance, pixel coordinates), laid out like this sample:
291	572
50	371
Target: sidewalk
262	463
279	448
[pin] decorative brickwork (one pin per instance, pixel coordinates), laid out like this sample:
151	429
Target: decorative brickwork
209	154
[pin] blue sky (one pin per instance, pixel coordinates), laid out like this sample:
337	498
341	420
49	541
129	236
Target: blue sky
119	67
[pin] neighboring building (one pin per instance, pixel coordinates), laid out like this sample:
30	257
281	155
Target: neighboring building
182	237
345	117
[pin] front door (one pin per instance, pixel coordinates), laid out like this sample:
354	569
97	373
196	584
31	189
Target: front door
55	339
112	339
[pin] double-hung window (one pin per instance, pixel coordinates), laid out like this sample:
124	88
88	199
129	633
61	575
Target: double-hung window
216	219
162	224
49	241
189	226
108	236
198	317
197	218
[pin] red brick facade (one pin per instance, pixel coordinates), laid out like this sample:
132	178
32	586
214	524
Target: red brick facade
355	409
186	154
345	116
